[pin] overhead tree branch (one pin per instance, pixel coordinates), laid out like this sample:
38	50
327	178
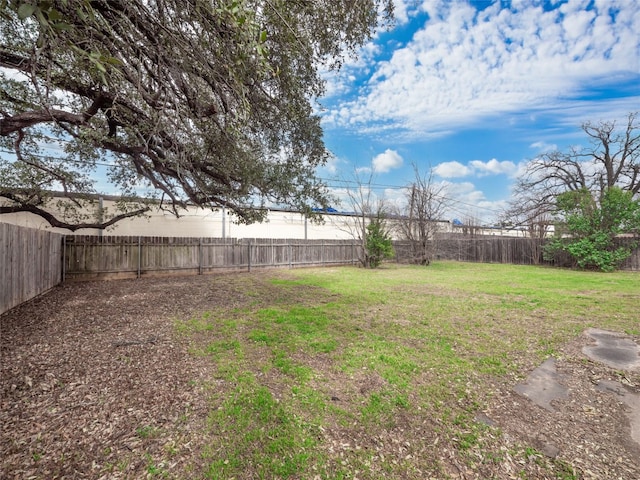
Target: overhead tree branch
207	103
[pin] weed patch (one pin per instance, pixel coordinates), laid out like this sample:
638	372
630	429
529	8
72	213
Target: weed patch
257	433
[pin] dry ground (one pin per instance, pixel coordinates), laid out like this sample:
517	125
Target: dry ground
95	383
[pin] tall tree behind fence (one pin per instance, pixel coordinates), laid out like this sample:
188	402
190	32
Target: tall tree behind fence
30	263
112	257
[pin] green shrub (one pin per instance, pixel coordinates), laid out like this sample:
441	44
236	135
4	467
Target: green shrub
378	244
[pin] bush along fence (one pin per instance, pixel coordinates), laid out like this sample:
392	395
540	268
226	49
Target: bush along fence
89	257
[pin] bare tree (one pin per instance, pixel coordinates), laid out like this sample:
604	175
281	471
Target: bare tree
611	159
591	175
535	220
418	220
471	226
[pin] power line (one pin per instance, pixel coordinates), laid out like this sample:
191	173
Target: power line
331	183
403	187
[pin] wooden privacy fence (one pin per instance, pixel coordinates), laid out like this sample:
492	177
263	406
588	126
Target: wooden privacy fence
523	251
515	250
30	263
495	249
33	261
120	256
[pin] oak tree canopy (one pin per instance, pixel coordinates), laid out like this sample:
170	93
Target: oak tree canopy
208	102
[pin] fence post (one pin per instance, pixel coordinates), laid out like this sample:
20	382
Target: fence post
200	256
64	256
290	250
224	223
249	255
139	256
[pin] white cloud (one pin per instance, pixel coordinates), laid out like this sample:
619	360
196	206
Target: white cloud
542	147
522	168
465	64
400	11
395	197
467	203
342	199
475	168
492	167
332	165
387	161
451	170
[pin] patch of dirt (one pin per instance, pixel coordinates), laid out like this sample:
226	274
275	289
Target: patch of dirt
95	383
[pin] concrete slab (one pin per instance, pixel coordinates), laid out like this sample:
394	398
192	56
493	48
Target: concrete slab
613	349
542	386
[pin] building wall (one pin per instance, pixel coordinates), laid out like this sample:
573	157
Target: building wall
198	222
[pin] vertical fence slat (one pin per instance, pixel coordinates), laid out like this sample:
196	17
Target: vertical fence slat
139	257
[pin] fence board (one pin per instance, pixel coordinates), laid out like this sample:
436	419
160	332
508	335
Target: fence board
30	263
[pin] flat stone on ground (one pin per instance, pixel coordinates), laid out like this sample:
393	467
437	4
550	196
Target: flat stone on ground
613	349
542	386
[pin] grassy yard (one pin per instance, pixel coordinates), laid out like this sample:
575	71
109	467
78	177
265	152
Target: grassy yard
352	373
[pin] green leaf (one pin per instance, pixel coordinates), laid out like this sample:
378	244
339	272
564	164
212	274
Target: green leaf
25	10
62	27
112	61
41	18
54	15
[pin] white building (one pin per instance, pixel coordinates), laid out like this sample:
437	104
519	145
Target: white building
199	222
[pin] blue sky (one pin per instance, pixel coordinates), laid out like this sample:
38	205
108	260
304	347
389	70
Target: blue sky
474	89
